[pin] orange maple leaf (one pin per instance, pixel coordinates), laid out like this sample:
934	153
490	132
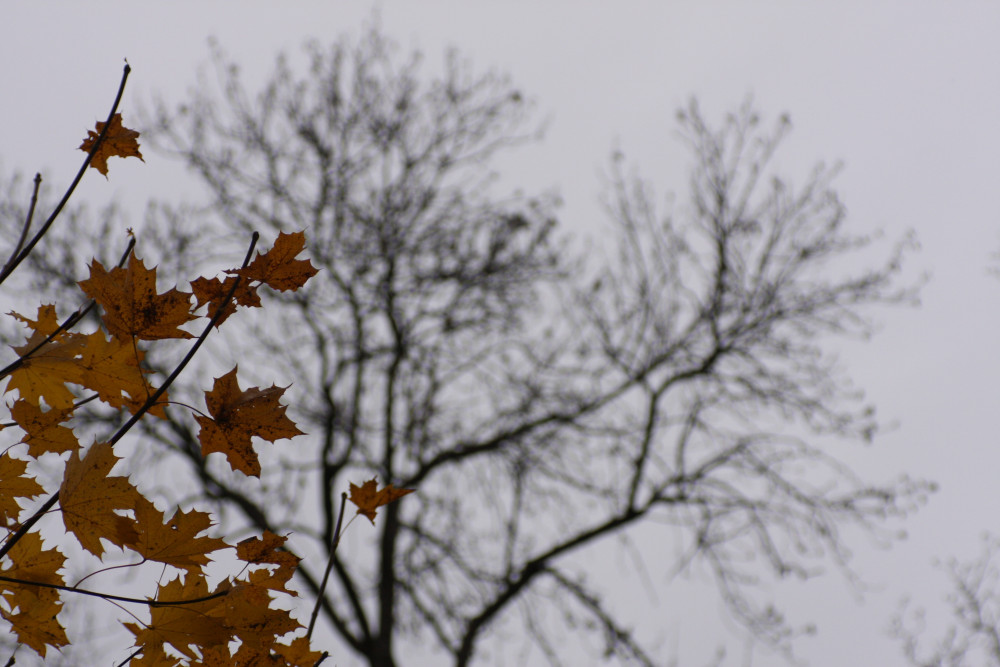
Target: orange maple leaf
44	431
111	367
237	416
250	618
35	622
298	653
118	142
89	497
185	625
45	373
278	268
132	308
369	498
14	484
266	550
30	561
175	542
214	291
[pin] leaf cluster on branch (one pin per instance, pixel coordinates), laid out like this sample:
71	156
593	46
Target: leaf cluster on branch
237	620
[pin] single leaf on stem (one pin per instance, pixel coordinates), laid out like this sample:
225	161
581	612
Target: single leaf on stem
118	142
368	497
237	416
277	268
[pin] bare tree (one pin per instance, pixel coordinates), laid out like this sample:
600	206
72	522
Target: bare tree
974	635
539	402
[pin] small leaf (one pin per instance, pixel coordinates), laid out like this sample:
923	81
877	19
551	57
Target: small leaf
118	142
278	268
369	498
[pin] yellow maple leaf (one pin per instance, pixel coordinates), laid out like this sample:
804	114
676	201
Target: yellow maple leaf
118	142
33	610
111	367
200	624
89	497
266	550
298	653
14	484
277	268
35	622
175	542
45	373
44	431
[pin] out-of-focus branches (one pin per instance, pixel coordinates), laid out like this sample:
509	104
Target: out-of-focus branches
540	402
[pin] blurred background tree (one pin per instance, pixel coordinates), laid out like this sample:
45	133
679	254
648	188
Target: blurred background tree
541	400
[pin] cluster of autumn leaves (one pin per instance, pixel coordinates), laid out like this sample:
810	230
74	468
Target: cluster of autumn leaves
56	370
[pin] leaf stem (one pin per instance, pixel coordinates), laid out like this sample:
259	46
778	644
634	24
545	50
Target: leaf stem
329	566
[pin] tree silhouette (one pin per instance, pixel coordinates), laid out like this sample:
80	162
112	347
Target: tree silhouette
541	402
973	637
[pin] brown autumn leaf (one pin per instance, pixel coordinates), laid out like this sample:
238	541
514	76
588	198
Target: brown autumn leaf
277	268
132	308
111	367
237	416
369	498
175	542
45	373
201	624
89	497
118	142
298	653
14	484
44	431
35	621
213	291
266	550
249	617
30	561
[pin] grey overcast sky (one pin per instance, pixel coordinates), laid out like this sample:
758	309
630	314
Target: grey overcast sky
907	94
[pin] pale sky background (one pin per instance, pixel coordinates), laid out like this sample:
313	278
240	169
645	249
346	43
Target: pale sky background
907	94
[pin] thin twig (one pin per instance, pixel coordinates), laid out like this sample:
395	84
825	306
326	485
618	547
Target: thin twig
118	598
329	567
86	163
27	223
